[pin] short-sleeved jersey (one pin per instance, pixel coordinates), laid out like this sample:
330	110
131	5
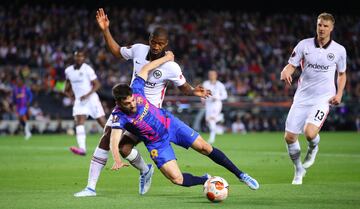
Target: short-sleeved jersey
157	82
80	79
218	91
149	123
317	80
22	96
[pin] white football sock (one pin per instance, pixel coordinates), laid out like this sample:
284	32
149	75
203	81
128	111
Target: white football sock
97	163
81	136
27	129
294	153
136	160
314	142
212	127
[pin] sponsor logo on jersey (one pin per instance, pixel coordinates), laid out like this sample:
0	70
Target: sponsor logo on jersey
76	81
150	84
143	114
317	67
146	110
330	56
137	62
157	74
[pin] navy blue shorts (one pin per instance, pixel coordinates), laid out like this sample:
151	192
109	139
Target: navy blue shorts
179	134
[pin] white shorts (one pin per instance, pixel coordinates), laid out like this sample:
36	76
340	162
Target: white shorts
298	116
213	112
92	106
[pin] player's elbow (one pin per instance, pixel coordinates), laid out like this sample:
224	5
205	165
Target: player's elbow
117	55
115	51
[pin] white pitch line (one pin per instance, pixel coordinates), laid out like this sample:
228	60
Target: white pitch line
33	148
322	154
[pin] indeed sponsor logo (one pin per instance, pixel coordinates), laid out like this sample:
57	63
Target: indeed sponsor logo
150	84
318	67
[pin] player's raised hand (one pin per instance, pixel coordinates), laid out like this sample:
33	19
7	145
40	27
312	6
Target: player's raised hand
102	19
119	164
200	91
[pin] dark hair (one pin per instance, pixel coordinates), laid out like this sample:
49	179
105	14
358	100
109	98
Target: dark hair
80	50
159	31
121	91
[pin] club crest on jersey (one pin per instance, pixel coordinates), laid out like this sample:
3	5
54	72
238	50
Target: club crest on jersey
330	56
157	74
139	100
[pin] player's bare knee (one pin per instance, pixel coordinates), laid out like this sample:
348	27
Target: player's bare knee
207	149
125	150
309	134
105	139
290	137
178	179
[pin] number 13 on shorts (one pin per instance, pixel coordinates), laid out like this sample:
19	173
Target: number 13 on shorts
318	114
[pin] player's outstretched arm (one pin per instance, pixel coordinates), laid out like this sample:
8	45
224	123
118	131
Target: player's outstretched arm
286	73
169	56
114	147
104	24
198	91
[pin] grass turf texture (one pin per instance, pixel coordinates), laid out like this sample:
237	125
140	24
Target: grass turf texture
42	173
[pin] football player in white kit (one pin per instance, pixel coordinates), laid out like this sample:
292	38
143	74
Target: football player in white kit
320	58
82	83
155	88
213	105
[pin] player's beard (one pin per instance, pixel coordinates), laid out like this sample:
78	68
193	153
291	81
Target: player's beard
77	65
154	56
129	111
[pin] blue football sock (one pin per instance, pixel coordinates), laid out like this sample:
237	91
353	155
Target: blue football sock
220	158
190	180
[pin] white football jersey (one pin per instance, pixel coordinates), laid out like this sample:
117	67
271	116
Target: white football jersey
218	92
317	80
80	79
158	79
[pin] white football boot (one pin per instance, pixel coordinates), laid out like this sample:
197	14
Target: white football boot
310	157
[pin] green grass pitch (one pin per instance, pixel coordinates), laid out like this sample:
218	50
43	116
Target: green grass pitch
42	174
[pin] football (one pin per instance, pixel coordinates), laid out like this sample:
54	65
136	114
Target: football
216	189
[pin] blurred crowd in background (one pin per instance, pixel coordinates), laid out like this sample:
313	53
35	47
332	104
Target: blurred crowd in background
247	49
